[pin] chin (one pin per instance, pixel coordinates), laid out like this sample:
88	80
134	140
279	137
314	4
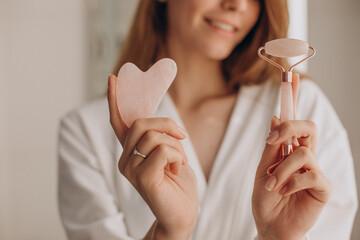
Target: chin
216	50
218	54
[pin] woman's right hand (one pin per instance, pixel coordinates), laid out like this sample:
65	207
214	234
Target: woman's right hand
163	178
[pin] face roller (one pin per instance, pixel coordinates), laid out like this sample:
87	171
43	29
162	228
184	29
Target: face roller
285	48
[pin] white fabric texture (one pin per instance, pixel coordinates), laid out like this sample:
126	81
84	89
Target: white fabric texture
97	202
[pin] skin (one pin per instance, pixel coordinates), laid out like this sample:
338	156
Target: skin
165	180
199	91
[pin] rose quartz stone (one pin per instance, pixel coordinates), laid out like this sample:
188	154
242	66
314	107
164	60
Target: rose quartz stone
286	105
138	94
286	47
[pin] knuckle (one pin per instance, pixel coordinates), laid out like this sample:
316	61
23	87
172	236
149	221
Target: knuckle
163	149
315	177
313	128
312	125
287	128
303	152
150	136
169	123
137	125
286	125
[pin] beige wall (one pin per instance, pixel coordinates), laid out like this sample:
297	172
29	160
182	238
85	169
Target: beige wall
44	77
4	74
334	30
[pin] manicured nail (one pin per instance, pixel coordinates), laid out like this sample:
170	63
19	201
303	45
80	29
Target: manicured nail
283	190
272	168
182	132
270	184
272	137
296	142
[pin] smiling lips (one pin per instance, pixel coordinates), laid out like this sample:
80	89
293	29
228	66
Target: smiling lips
222	25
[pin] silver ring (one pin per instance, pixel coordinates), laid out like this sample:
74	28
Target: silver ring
136	152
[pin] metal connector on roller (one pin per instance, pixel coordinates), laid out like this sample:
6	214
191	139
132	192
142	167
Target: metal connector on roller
286	150
286	77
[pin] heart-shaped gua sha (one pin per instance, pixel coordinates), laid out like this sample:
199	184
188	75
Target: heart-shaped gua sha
138	93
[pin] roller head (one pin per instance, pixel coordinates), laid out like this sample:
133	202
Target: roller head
286	47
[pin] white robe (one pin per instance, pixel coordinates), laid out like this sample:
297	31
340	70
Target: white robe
97	202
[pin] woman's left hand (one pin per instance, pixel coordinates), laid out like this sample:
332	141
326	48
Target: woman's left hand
288	203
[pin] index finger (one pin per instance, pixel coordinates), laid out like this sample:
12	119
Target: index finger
271	153
143	125
304	130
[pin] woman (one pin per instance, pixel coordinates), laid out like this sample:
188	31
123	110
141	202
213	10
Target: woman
210	181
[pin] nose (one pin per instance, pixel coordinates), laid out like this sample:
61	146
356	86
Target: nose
235	5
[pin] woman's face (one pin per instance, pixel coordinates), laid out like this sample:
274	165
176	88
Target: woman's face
211	27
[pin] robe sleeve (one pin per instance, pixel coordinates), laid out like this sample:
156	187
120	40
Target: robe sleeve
87	206
335	159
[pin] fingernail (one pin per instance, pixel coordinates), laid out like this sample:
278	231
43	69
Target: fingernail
270	184
272	168
272	136
274	119
283	190
296	142
182	132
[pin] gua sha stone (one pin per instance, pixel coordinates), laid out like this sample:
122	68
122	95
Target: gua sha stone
138	93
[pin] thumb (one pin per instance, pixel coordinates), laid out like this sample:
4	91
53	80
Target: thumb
116	121
275	122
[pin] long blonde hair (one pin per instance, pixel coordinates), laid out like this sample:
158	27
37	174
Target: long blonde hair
147	36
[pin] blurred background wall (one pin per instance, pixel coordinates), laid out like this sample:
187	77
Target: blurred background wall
56	55
334	31
42	77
